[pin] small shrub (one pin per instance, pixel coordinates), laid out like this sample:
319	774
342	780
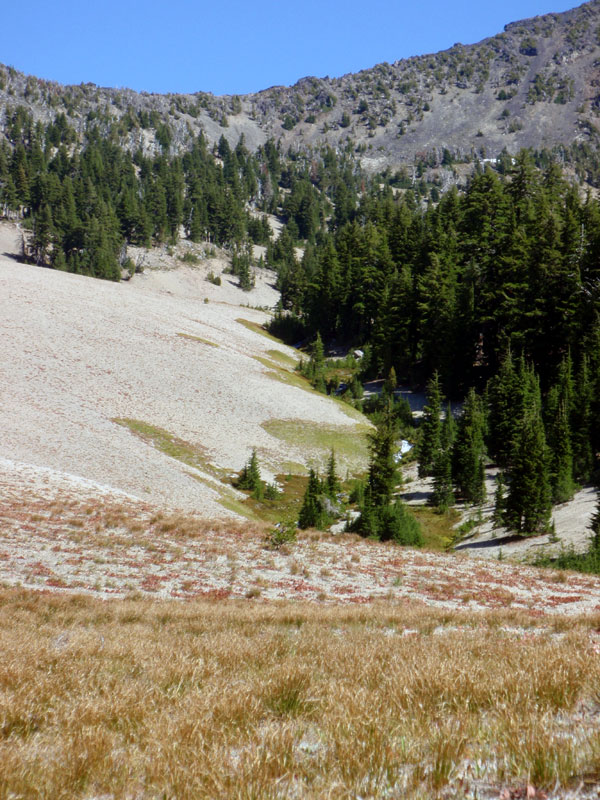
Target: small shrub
214	279
282	534
190	258
271	492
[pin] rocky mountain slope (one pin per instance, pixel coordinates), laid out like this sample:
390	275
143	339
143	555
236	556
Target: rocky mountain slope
136	385
536	85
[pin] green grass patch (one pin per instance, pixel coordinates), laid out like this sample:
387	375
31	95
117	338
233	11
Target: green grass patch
227	498
286	506
294	468
283	375
254	326
267	362
282	358
241	507
279	373
276	373
437	528
194	455
198	339
349	443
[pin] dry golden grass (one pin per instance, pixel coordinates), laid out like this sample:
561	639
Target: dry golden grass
146	699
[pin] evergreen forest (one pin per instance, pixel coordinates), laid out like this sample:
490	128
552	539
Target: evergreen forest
489	296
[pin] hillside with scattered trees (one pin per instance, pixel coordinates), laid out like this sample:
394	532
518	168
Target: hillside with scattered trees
474	277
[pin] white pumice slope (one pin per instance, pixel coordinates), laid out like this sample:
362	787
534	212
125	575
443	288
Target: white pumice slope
77	353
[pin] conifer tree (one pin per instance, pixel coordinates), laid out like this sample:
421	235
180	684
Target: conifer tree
316	365
583	459
8	195
367	524
396	323
323	295
383	474
311	512
442	495
379	517
58	259
499	501
240	266
436	287
397	524
250	477
430	433
317	357
389	387
469	451
561	457
42	235
332	482
528	504
558	414
503	412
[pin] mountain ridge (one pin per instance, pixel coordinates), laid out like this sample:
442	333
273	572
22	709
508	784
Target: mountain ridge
533	85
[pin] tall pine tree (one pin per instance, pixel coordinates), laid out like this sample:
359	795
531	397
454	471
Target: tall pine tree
431	428
468	457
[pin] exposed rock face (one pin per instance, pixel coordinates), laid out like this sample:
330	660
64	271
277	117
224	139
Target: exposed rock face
537	85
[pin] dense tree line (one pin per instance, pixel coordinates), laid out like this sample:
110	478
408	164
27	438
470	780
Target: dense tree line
493	297
512	262
542	443
85	199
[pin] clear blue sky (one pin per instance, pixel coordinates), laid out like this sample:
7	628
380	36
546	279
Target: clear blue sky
230	46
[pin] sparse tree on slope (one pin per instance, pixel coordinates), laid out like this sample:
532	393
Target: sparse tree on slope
383	474
332	482
380	518
528	504
469	451
431	429
250	477
442	495
311	513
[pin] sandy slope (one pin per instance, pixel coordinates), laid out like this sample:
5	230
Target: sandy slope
77	353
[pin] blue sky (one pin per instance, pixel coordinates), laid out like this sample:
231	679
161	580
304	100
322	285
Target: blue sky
230	46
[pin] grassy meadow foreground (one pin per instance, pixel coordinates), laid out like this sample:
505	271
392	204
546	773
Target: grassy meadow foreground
148	699
148	654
